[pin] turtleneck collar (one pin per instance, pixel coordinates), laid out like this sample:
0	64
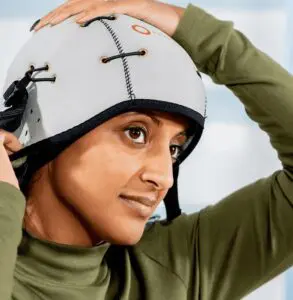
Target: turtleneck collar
61	263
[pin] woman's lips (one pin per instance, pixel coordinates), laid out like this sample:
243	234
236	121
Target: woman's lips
144	210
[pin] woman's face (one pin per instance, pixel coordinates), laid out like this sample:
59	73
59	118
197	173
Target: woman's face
116	175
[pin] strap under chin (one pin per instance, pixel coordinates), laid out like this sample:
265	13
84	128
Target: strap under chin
171	200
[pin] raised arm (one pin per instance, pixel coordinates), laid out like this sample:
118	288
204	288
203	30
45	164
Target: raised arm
246	239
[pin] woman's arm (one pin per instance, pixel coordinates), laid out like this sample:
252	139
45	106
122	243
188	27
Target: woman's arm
246	239
12	205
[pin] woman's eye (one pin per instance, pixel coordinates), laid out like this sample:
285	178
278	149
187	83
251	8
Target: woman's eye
175	151
137	134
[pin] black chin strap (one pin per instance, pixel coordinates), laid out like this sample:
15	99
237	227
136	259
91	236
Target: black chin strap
171	200
16	97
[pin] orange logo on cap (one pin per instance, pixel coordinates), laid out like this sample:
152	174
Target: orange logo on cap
141	29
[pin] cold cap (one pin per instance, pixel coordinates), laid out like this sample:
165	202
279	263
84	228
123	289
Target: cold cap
110	65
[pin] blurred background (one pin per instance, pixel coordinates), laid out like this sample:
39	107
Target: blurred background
233	151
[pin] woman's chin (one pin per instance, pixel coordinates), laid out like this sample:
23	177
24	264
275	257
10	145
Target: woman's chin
126	233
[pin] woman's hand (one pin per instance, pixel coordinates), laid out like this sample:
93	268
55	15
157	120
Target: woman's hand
161	15
8	145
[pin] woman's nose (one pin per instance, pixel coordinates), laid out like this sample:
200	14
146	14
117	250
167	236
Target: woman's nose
158	170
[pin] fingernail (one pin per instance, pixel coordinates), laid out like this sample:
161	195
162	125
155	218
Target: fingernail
35	24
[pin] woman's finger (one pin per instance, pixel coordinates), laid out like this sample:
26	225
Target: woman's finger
60	18
128	7
67	12
2	139
51	15
10	142
44	21
6	171
80	16
97	10
76	7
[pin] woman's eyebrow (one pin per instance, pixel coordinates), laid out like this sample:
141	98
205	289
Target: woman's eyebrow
183	134
147	114
158	122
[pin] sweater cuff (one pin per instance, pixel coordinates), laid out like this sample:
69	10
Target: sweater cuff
202	35
185	26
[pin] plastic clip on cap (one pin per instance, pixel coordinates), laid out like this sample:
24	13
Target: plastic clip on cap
16	93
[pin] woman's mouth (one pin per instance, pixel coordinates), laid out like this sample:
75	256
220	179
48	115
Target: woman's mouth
143	208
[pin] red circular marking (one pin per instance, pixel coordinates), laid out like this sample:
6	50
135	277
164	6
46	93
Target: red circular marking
141	29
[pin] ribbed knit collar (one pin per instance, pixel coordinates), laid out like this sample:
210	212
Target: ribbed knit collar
61	263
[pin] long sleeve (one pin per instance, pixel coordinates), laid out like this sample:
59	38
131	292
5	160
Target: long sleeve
246	239
12	204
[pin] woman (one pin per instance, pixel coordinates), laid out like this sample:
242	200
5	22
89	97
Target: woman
223	252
